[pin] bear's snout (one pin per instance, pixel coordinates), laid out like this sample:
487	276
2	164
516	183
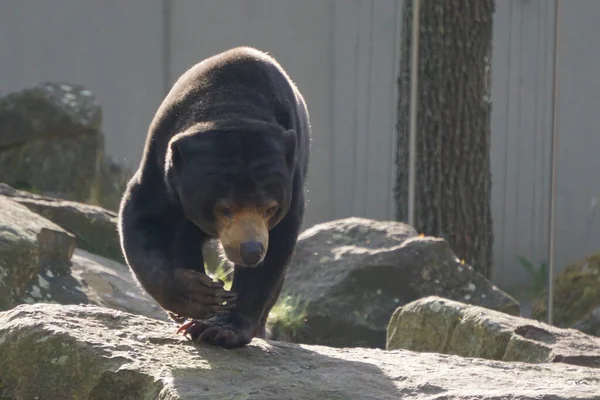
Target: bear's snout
251	253
247	254
245	237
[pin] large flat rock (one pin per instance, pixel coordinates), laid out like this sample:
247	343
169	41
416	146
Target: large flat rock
435	324
86	352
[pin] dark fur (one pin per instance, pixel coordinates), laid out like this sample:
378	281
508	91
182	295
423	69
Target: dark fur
235	109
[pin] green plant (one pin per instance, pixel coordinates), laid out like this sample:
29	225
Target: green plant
287	317
538	275
224	272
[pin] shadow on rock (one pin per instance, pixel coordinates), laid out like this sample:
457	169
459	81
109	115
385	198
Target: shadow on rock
278	370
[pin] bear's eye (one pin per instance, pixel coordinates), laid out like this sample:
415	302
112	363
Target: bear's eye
270	211
224	211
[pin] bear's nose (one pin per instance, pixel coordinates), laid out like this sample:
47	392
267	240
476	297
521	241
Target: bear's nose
251	252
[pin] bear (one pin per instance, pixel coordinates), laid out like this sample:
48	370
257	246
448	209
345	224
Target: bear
226	157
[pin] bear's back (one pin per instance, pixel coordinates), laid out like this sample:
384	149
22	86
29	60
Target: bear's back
242	80
242	83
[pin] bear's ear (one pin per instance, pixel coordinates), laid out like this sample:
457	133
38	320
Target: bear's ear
289	142
173	156
181	147
172	169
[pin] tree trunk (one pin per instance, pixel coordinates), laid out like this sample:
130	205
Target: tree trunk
453	184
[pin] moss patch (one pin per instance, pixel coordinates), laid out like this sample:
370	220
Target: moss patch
576	293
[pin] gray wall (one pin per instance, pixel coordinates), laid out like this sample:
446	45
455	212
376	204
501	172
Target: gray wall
343	56
521	132
113	47
341	53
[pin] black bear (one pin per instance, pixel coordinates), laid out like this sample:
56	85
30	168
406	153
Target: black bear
226	157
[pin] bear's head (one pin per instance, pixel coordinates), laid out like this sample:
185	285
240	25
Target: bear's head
233	179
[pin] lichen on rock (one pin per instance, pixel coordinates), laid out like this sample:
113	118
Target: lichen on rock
576	295
95	228
51	140
29	244
435	324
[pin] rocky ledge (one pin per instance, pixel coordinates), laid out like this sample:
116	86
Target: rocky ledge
52	351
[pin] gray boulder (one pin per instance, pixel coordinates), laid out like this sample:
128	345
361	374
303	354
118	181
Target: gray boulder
107	283
353	273
50	140
95	228
40	263
31	247
434	324
86	352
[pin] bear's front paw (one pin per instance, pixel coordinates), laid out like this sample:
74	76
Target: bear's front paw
194	295
228	331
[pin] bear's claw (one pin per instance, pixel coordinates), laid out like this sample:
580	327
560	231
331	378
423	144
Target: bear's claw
225	331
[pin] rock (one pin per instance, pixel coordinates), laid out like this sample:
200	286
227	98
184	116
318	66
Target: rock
590	323
95	280
63	352
94	227
108	283
47	111
50	140
30	248
40	263
114	177
434	324
355	272
576	295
